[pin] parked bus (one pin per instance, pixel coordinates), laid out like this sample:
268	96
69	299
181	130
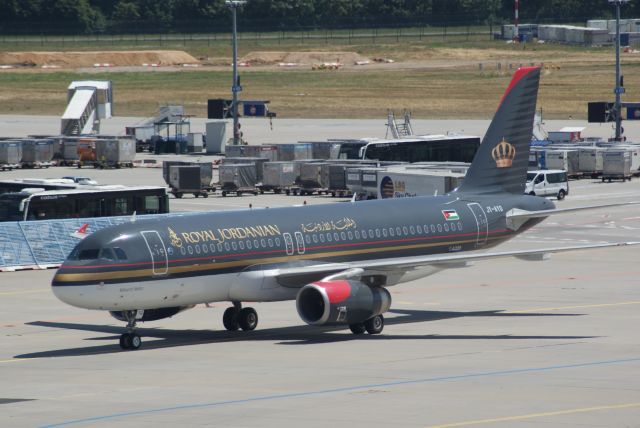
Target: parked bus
431	148
16	185
99	201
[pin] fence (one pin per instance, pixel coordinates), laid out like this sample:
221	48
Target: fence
46	244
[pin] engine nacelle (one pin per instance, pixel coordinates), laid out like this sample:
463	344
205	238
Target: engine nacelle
151	314
341	302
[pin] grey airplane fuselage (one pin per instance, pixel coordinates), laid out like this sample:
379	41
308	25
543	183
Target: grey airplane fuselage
196	258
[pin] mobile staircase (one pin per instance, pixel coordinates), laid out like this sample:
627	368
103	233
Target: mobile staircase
89	101
399	130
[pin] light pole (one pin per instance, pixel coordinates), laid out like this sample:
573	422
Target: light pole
235	88
619	89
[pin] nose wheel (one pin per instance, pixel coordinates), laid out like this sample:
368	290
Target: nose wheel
237	317
130	339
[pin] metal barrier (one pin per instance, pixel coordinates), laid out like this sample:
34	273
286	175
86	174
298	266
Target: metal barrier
46	244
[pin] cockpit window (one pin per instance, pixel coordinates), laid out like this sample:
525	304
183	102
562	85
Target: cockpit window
107	254
120	253
90	254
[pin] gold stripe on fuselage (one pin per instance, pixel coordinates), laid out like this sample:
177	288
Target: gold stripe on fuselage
99	276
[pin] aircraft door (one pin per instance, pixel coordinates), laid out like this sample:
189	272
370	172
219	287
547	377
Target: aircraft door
288	242
481	222
159	259
300	242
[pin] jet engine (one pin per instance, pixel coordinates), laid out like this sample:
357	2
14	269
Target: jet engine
151	314
341	302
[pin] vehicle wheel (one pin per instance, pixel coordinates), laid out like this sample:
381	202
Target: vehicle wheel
333	194
205	195
230	319
532	193
358	328
224	193
374	325
178	195
134	341
603	180
248	319
561	194
261	192
124	338
196	194
288	192
609	180
238	193
256	193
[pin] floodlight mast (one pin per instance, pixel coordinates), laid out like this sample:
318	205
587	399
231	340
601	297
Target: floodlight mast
235	88
619	89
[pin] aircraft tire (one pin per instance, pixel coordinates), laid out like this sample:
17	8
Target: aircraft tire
248	319
374	325
130	341
357	328
230	319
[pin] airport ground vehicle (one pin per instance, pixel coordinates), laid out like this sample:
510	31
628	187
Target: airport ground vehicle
99	201
428	148
553	182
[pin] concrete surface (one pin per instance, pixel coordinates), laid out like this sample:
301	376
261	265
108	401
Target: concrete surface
502	343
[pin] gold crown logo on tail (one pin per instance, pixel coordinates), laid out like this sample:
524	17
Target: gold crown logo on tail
503	153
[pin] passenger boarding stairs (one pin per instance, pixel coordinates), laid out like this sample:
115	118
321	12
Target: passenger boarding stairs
88	103
400	130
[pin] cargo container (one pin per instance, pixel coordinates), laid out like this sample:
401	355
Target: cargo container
567	160
311	178
188	179
205	176
37	153
590	161
403	184
257	162
323	149
280	176
297	151
10	154
238	178
115	153
337	179
616	165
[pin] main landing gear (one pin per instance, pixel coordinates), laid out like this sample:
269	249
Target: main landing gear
373	325
130	340
237	317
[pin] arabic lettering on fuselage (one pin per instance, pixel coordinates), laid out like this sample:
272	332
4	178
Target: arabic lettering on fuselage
328	226
221	235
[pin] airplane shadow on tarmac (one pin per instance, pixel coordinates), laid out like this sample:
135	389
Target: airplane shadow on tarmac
295	335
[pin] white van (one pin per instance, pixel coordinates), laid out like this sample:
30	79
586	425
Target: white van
552	182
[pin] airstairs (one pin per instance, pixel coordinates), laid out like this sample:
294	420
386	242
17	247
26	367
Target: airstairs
400	130
89	101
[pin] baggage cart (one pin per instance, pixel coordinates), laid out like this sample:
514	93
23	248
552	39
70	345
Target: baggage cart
115	152
238	179
37	153
280	177
617	165
10	154
182	181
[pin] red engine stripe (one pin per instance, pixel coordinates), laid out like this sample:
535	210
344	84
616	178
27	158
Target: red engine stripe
337	291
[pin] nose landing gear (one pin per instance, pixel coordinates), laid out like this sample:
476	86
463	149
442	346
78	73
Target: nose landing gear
130	340
237	317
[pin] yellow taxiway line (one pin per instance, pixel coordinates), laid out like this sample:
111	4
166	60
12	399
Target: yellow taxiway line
537	415
562	308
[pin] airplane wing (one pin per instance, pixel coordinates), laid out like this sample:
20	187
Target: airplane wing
517	217
296	277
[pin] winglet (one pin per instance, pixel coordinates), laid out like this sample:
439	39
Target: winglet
81	233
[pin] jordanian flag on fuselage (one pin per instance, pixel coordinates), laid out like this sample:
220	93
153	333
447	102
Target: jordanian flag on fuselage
450	215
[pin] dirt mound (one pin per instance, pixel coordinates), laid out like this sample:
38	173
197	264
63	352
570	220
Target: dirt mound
269	58
89	59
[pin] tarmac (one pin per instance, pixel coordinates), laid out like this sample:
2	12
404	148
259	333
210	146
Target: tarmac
503	343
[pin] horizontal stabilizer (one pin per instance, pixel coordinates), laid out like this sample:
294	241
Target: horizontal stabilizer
517	217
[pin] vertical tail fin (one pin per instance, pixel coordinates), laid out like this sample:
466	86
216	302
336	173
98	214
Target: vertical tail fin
500	164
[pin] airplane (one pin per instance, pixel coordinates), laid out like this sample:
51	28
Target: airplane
335	260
